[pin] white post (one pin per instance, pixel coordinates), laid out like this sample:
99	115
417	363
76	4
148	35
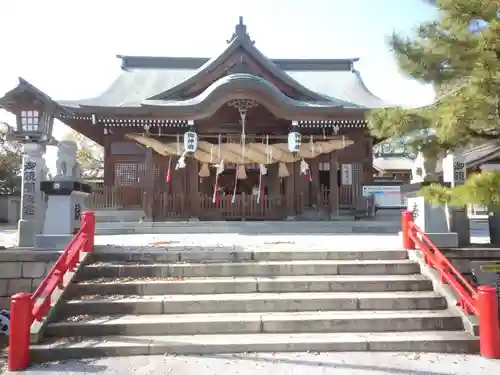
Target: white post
430	218
454	169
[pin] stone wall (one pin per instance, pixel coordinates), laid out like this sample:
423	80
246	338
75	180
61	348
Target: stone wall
9	209
22	271
462	258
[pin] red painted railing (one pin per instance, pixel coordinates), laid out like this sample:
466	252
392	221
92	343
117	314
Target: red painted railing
25	308
482	302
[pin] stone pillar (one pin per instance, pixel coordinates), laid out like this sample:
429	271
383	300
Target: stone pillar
66	203
65	200
493	213
433	220
32	202
455	173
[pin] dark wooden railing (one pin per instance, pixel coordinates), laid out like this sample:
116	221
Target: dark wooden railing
132	197
481	302
116	197
246	206
170	206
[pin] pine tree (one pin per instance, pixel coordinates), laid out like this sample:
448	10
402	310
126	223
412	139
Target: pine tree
460	55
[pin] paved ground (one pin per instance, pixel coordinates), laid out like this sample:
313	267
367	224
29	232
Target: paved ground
234	241
7	235
280	364
479	234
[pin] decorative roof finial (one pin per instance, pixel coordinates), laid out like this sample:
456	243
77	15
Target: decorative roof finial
240	31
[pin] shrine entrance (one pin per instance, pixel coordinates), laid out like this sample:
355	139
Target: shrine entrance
239	193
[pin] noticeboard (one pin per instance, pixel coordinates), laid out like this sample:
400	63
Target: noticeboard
487	273
386	196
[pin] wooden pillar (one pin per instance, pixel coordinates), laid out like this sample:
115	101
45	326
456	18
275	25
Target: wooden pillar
314	184
368	162
109	168
334	184
161	162
302	185
273	181
149	185
193	191
357	177
290	191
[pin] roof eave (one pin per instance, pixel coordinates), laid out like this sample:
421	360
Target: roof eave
23	86
239	83
192	112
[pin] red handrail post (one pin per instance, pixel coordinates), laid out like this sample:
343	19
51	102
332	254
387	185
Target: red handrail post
19	335
88	224
489	329
406	220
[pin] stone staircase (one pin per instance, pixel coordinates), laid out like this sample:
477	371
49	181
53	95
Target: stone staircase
197	302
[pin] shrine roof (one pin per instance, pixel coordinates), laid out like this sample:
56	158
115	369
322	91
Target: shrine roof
473	157
481	154
392	163
147	80
8	100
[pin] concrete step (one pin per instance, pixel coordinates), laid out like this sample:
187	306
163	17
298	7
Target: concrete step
249	227
220	285
224	323
272	268
250	302
278	252
417	341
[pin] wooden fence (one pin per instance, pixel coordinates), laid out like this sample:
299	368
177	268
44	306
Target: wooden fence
345	197
116	197
167	205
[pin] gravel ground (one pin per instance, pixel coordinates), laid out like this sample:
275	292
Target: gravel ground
279	364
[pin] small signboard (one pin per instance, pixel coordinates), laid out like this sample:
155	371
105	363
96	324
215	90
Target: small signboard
386	196
494	267
454	170
487	273
346	174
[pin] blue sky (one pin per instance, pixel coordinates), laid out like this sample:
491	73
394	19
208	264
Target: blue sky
68	48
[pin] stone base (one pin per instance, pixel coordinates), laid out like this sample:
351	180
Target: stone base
111	215
442	240
25	233
52	241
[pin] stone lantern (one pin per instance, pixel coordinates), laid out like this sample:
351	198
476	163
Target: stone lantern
35	113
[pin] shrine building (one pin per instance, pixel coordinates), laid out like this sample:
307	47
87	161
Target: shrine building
235	136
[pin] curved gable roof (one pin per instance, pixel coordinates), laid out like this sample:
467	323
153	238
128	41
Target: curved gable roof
243	42
161	78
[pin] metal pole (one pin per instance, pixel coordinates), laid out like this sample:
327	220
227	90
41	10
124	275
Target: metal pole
489	330
19	335
406	219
